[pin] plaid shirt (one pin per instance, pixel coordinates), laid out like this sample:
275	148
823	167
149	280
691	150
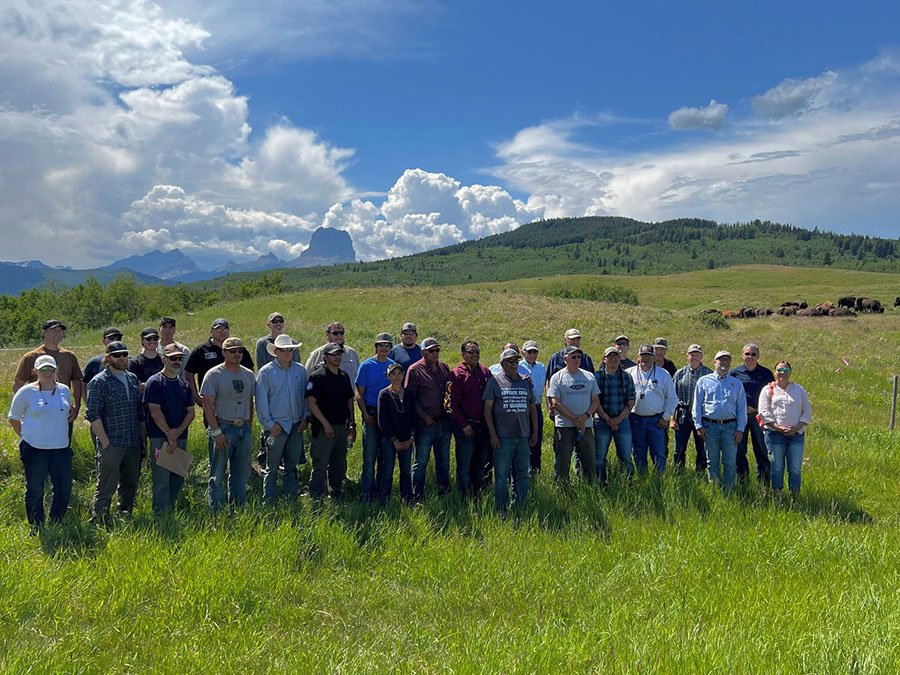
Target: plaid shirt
121	412
686	383
615	390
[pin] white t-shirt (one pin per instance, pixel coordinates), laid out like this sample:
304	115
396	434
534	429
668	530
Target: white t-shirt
44	416
574	392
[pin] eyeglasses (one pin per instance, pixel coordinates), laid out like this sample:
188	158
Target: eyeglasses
433	349
47	369
151	339
234	350
622	344
284	350
782	370
277	321
408	332
751	354
119	355
176	358
335	332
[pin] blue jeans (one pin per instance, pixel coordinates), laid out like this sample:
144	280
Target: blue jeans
754	433
720	446
166	485
437	436
603	436
645	433
470	458
237	457
404	458
38	465
513	455
682	435
781	447
371	444
535	459
287	447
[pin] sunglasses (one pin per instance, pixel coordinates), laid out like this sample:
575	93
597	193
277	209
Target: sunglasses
750	354
574	356
408	332
284	350
119	355
277	321
176	358
433	349
335	332
622	344
235	350
47	369
151	339
782	370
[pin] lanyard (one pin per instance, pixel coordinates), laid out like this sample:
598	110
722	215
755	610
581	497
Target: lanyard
645	384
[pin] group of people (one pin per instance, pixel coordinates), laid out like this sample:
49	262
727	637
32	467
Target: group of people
412	405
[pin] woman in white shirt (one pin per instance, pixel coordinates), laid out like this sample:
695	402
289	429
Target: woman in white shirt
784	412
39	414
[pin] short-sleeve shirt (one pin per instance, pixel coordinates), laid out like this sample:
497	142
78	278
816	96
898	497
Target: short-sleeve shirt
92	368
44	416
144	367
331	391
511	400
233	391
372	375
574	392
207	356
67	370
174	397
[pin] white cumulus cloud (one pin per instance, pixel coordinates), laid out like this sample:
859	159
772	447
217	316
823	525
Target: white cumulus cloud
712	117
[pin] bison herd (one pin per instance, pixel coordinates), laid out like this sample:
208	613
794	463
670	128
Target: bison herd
846	306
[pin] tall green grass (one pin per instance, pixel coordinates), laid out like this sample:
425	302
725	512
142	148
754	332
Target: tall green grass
663	575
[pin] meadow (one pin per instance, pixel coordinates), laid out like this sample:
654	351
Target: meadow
662	575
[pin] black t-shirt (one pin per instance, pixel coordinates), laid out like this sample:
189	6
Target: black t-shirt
144	366
207	356
331	391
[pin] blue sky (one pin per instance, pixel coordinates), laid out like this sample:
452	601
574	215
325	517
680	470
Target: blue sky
230	130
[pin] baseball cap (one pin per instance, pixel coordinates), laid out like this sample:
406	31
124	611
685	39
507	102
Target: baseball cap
509	354
53	323
723	352
573	333
571	349
333	348
661	342
384	337
409	326
430	342
167	319
112	333
646	349
43	361
232	343
610	350
116	347
149	333
274	314
622	338
172	348
695	348
529	345
219	322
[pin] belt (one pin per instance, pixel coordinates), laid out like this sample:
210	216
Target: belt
707	419
239	422
648	416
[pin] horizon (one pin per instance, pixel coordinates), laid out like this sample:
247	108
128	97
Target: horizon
231	132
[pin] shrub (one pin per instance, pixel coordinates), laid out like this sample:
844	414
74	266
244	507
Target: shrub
576	288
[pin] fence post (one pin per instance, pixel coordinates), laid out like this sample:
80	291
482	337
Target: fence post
894	402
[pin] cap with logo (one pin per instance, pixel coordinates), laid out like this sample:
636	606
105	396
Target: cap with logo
661	342
53	323
509	354
572	333
116	348
43	361
112	334
274	315
430	342
172	349
333	348
572	349
695	348
409	326
219	322
646	349
610	350
384	338
232	343
529	345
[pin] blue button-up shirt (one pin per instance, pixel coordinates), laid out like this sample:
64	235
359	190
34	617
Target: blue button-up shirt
281	395
119	409
538	374
720	398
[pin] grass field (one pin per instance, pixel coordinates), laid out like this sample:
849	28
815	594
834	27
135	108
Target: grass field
665	575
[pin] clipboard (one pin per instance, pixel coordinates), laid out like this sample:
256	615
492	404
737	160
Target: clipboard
177	462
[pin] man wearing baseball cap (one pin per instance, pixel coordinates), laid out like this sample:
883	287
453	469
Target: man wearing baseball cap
623	344
67	370
574	397
275	324
95	364
616	401
167	337
115	412
335	333
148	361
370	380
653	407
720	415
474	460
208	355
427	381
227	393
683	420
407	351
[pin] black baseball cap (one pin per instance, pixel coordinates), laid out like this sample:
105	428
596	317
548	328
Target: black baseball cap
116	348
167	319
149	333
53	323
112	334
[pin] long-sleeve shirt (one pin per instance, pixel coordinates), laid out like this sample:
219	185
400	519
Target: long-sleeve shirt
654	392
686	381
787	407
118	406
556	363
538	375
466	391
719	398
281	395
615	390
428	388
396	415
349	361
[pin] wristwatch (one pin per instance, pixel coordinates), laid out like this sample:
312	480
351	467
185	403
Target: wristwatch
216	432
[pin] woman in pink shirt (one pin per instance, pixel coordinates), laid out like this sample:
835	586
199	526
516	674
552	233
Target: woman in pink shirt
784	412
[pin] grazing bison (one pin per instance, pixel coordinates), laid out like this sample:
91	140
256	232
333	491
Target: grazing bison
897	301
859	304
807	311
847	301
787	310
731	314
841	311
790	304
803	304
870	305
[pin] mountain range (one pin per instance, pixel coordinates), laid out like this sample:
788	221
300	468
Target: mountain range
327	246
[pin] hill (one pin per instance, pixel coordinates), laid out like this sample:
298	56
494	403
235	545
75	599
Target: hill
607	245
